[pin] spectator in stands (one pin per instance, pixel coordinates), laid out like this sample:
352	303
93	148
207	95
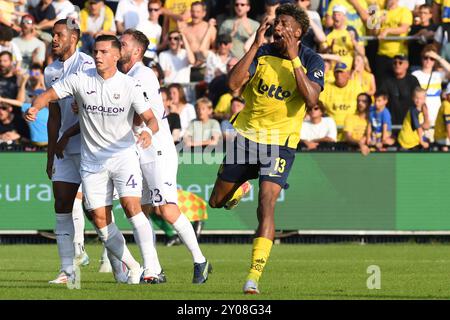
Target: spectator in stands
400	88
396	23
179	105
315	35
9	89
8	132
200	35
356	125
431	80
202	131
130	13
174	11
156	67
342	40
380	123
228	131
441	13
339	97
269	10
442	125
216	62
31	48
6	44
425	29
172	117
363	75
7	18
63	8
95	19
45	17
176	62
152	31
38	128
317	129
219	87
239	28
356	12
411	136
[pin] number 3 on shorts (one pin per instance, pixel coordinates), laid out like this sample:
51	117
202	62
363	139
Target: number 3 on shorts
131	182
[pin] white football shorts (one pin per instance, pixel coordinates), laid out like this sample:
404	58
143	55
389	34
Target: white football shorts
67	169
122	173
160	181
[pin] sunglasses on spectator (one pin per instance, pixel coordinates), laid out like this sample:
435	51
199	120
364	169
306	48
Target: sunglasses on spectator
399	62
428	58
27	21
4	108
174	38
153	9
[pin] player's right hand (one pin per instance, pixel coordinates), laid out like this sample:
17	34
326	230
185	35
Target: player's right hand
60	146
49	168
145	139
30	114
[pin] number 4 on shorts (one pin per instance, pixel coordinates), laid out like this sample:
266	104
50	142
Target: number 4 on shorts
131	182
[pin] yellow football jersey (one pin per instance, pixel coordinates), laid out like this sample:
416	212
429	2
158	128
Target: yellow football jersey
224	104
340	102
442	120
408	136
274	108
395	18
355	125
341	44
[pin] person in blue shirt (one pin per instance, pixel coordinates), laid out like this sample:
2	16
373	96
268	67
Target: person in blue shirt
38	128
380	122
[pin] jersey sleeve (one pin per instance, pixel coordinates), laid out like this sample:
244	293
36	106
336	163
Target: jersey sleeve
387	119
415	123
140	100
315	69
67	86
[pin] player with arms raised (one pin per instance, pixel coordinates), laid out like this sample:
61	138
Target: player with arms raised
107	100
281	80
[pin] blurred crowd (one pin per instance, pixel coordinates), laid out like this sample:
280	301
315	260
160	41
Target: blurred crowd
386	66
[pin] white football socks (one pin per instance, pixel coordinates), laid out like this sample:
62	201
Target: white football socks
64	239
115	243
78	224
143	235
186	233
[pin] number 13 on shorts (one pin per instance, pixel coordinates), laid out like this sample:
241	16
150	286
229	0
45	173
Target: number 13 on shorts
279	166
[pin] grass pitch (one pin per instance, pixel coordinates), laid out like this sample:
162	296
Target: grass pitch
338	271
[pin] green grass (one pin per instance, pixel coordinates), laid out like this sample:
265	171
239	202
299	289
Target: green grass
338	271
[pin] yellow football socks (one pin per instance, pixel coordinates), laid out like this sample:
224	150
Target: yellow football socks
260	254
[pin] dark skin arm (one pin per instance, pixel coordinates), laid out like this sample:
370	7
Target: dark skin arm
53	126
62	143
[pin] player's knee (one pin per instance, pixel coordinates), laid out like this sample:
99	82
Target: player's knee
131	207
62	206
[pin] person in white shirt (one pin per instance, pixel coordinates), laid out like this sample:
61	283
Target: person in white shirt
64	172
159	163
216	62
130	13
176	62
317	129
107	101
152	30
63	8
179	104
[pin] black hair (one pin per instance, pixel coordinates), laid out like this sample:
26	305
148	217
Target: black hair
140	38
9	54
115	43
295	12
6	33
381	93
368	97
71	25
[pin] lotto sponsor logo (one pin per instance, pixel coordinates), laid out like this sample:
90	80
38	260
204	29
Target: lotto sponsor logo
273	91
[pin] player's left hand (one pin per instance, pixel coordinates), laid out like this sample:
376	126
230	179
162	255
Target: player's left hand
291	42
145	139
